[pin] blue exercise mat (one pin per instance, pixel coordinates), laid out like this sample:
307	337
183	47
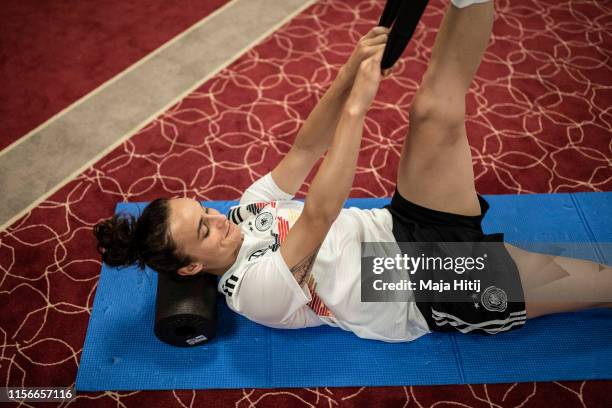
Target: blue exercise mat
122	353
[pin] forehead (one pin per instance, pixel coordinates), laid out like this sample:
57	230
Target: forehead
185	214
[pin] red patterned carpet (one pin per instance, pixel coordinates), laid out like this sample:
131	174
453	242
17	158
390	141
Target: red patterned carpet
55	52
538	120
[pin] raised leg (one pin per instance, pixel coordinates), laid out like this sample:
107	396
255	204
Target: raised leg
557	284
435	168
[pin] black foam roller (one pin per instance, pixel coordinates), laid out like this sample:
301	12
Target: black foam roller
186	309
409	14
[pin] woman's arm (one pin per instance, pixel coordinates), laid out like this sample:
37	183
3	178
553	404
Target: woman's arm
315	136
334	179
318	130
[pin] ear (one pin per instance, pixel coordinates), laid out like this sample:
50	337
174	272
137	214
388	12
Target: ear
190	269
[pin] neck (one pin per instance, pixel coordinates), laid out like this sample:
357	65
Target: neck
221	271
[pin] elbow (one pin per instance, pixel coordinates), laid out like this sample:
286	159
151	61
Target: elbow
319	214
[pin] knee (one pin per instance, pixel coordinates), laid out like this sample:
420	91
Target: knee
438	108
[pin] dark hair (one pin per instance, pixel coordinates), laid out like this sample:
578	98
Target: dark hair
124	240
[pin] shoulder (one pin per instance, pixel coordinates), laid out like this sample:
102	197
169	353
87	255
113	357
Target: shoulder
264	189
263	289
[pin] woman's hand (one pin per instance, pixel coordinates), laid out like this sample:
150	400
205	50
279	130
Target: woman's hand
365	48
366	82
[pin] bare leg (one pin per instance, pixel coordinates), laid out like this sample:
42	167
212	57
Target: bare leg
435	168
556	284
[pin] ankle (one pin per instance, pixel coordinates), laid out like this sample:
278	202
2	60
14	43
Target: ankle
465	3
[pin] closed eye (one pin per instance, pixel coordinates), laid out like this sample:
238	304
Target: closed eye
206	223
207	226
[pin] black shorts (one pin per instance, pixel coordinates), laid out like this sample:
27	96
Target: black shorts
499	305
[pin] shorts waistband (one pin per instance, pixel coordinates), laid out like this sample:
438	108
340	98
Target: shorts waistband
408	211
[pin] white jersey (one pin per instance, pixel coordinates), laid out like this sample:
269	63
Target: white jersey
260	286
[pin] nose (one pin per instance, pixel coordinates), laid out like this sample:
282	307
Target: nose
217	219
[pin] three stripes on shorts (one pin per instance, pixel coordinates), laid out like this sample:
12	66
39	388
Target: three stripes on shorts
490	327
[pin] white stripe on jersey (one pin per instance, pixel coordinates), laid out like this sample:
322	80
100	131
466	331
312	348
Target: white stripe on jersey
515	318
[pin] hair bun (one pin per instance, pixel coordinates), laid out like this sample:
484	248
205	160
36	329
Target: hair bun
116	240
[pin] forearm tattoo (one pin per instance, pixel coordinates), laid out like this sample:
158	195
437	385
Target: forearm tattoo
302	269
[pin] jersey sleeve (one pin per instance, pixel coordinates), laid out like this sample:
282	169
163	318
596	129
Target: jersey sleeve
269	294
264	189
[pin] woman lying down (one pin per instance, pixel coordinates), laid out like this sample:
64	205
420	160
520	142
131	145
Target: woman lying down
290	265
